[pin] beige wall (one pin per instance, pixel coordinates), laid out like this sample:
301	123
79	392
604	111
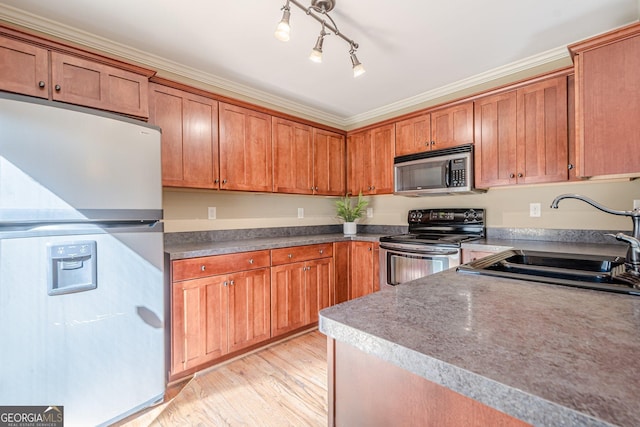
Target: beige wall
186	210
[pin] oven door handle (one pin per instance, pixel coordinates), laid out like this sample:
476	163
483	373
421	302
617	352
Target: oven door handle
414	251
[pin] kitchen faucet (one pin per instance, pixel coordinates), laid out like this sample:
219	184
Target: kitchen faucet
632	262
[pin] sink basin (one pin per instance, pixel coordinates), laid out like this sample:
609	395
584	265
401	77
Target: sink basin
585	271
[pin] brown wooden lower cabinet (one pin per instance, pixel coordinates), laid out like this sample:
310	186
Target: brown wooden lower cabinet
367	391
364	269
300	289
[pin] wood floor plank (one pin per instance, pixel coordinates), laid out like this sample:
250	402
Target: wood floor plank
283	385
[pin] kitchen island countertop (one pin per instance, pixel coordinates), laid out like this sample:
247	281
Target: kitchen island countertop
545	354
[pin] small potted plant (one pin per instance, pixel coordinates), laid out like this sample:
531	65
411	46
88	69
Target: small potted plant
349	213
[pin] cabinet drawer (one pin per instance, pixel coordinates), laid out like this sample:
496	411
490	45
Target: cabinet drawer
219	264
301	253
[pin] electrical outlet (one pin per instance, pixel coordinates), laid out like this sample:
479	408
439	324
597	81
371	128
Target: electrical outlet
636	204
369	212
211	212
300	212
534	209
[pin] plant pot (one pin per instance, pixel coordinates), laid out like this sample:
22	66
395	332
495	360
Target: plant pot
350	228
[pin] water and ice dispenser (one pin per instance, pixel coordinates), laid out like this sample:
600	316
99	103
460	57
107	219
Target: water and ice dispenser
72	267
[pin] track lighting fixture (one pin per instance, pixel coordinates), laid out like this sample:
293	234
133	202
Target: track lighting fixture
319	10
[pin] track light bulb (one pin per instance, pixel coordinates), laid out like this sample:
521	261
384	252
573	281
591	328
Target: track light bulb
358	68
283	29
316	53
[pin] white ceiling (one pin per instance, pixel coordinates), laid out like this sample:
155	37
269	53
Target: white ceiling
412	50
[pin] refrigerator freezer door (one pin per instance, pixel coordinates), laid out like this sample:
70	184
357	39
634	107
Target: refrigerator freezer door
70	163
100	352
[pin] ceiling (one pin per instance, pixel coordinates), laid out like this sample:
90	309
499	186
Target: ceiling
412	50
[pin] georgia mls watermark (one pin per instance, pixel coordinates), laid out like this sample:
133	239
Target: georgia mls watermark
31	416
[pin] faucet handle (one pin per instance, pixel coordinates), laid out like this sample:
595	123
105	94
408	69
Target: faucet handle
635	243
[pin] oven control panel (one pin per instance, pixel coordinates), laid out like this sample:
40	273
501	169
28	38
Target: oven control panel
447	216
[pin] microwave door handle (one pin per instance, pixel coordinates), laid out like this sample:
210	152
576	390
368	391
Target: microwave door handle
447	173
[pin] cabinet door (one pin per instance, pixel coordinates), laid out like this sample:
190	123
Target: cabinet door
359	162
452	126
318	287
189	137
287	297
83	82
495	139
542	147
382	151
413	135
245	149
24	68
608	105
199	322
363	264
249	308
329	163
292	157
341	262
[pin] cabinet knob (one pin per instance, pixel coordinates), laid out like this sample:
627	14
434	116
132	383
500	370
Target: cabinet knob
433	143
250	260
369	249
290	256
316	188
511	175
57	88
203	268
225	283
232	283
40	83
520	175
321	251
570	166
311	189
215	181
224	181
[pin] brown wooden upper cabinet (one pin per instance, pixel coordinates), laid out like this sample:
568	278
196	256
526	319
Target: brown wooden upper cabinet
189	137
74	79
370	160
307	160
245	149
521	135
443	128
607	103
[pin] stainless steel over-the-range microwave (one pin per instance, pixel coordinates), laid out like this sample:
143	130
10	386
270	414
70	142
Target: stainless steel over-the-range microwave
446	171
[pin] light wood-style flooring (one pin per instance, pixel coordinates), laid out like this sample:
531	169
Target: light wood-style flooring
283	385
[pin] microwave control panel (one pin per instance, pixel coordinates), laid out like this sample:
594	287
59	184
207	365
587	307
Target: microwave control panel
458	172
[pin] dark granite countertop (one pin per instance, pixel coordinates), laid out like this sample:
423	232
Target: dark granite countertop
198	249
548	355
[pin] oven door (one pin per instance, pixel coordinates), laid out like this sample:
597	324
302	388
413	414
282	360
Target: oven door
402	263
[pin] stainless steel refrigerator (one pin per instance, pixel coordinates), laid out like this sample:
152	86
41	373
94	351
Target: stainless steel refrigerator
82	309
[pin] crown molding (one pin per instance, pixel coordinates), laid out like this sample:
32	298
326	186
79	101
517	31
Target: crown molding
55	29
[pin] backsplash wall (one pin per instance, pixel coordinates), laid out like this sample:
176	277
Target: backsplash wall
186	210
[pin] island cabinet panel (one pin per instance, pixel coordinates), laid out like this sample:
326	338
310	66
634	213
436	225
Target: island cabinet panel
83	82
25	68
292	157
301	285
442	128
245	149
189	126
329	163
607	103
521	135
364	269
370	156
368	391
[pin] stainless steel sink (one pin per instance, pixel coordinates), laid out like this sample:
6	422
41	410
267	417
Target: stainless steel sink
584	271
